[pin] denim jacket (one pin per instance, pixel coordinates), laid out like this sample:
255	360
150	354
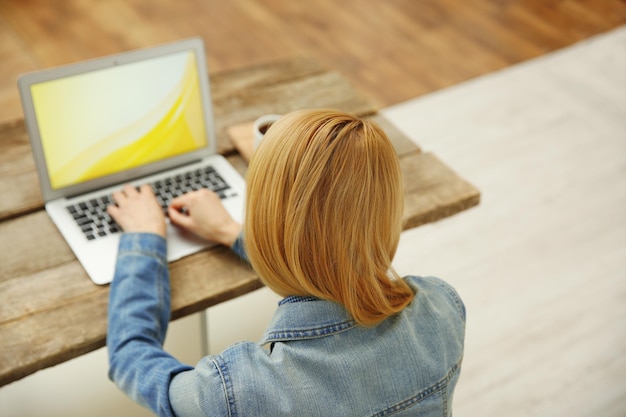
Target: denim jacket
314	360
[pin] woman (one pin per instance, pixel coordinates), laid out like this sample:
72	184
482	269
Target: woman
323	221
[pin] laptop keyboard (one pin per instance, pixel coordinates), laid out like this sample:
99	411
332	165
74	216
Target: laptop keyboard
94	221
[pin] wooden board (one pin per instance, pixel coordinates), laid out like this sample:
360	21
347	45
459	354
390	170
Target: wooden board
19	186
432	190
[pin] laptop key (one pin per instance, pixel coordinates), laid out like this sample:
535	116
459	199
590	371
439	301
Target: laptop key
83	220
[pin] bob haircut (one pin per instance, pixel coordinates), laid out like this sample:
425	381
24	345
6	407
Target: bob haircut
324	213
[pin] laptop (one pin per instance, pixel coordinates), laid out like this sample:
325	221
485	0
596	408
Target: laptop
143	116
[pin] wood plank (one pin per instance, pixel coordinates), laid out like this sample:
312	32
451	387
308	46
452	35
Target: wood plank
18	179
401	142
433	191
242	138
223	84
35	245
499	38
532	27
208	278
40	339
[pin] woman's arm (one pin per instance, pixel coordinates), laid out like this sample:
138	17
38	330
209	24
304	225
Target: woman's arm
139	313
139	303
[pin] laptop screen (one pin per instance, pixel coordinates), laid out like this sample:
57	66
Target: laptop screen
110	120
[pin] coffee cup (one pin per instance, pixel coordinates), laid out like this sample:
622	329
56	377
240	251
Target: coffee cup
261	126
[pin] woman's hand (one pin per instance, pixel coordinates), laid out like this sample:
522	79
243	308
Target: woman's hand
138	211
201	212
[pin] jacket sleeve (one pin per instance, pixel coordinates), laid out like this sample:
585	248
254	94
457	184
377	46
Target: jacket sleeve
240	249
138	317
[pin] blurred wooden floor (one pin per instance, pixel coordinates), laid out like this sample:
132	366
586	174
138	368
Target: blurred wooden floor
391	50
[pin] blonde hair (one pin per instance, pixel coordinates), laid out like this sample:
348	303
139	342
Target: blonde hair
324	213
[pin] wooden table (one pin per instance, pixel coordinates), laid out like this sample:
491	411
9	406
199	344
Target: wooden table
51	312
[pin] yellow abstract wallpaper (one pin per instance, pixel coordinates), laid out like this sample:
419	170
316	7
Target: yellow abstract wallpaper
100	123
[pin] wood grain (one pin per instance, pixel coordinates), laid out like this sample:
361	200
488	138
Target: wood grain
432	190
391	51
18	180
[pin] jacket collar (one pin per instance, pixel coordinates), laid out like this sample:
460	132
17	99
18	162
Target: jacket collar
300	318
